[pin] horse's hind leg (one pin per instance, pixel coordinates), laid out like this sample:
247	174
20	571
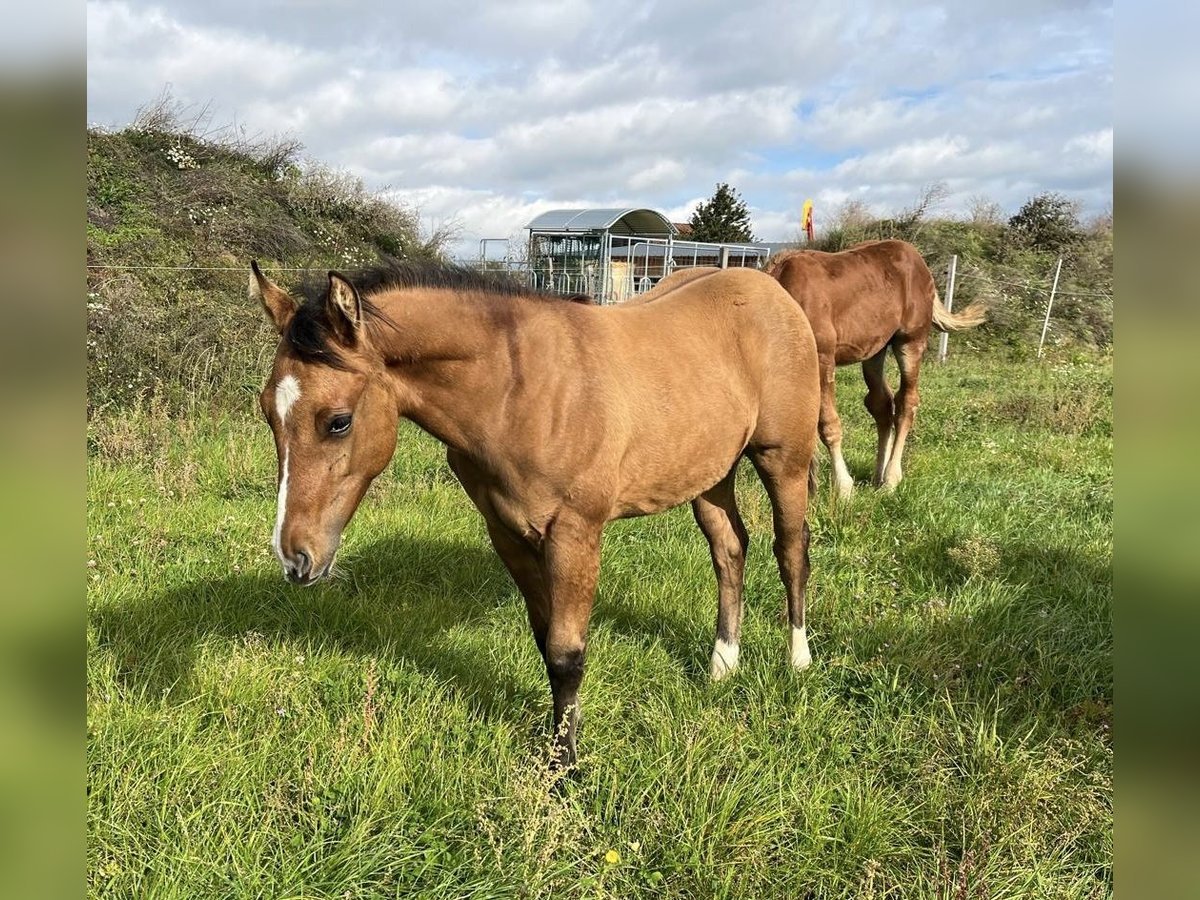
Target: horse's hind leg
908	356
784	474
879	404
830	428
717	515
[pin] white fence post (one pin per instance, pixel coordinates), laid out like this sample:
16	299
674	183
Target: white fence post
944	340
1049	306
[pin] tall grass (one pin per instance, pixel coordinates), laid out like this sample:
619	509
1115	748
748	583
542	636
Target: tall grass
385	734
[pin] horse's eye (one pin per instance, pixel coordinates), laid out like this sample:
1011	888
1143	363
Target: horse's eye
339	424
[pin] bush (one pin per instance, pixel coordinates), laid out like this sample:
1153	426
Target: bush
1048	222
197	209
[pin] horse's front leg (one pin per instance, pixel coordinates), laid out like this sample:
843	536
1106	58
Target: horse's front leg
572	567
523	562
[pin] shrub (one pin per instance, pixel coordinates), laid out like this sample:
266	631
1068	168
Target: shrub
195	209
1048	222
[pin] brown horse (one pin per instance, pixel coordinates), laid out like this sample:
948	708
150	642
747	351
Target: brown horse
557	417
861	301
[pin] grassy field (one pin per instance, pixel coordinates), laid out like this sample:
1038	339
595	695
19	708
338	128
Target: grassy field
384	734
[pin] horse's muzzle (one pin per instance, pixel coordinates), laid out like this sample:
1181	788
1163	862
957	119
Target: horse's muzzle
299	570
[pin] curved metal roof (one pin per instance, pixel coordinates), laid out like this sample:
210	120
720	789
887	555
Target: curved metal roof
631	220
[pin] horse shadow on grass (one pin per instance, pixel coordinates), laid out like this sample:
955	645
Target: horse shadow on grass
401	600
1044	640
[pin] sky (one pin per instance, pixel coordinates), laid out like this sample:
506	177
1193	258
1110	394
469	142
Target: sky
482	115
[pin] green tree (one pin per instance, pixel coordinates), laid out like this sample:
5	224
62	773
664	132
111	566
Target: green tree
1048	222
722	218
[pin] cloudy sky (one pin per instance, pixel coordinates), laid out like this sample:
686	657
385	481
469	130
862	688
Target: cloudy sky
484	114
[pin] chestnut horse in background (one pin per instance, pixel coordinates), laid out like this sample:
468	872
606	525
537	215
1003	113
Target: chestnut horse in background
859	302
558	417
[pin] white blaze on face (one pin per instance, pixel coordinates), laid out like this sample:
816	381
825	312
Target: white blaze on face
287	392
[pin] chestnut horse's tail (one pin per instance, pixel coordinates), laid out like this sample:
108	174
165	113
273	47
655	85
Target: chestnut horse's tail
944	320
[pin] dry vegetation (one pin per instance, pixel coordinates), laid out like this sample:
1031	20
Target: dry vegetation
175	213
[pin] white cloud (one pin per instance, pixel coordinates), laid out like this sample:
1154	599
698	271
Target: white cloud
1095	144
664	173
485	114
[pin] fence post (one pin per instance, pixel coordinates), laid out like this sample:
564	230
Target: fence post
724	257
1049	306
944	340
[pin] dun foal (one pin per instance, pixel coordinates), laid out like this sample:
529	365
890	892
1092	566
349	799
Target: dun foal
860	302
558	418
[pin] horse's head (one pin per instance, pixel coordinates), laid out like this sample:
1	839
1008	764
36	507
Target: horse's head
333	414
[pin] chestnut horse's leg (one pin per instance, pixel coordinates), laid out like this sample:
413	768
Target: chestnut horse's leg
572	567
830	428
879	404
717	515
784	474
908	356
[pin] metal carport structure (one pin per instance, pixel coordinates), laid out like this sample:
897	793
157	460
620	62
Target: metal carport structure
611	254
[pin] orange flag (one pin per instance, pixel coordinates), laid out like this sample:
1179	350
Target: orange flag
806	219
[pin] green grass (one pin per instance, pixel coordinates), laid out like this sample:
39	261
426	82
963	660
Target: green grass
384	735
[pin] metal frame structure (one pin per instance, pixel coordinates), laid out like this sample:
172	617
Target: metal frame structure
612	254
646	261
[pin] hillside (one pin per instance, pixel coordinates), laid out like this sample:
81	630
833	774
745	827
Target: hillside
172	223
174	217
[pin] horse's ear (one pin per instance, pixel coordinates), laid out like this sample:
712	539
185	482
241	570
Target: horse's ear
344	308
277	302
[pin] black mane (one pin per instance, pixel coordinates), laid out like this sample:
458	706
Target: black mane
312	338
424	274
